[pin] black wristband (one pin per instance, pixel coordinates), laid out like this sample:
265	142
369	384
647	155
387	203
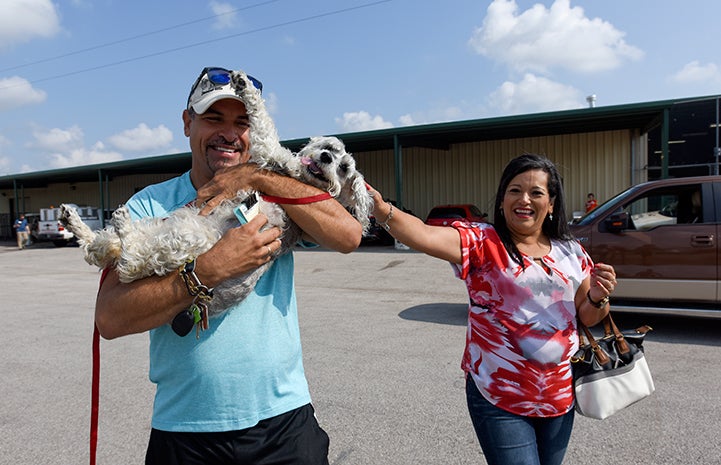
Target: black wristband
600	304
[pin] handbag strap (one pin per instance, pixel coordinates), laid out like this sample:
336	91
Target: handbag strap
610	328
601	355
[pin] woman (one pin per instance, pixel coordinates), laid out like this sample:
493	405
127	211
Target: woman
528	281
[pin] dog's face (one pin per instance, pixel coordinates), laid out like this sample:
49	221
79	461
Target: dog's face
326	164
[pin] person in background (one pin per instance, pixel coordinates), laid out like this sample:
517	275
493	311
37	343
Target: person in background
591	202
22	231
528	282
238	394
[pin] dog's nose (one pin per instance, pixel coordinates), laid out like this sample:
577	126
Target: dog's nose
325	157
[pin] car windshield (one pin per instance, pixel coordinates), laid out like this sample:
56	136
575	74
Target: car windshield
446	213
601	210
475	211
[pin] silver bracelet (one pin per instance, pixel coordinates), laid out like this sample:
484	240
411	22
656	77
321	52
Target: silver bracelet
385	224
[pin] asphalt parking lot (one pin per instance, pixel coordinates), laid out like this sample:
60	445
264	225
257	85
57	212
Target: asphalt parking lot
383	333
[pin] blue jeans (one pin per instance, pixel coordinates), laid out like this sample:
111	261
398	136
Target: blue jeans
509	439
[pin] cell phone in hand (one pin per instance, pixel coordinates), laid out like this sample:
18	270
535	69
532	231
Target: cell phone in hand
248	208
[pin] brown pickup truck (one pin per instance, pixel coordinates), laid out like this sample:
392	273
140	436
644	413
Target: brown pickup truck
662	238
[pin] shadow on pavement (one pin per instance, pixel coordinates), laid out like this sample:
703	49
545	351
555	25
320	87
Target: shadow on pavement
672	329
441	313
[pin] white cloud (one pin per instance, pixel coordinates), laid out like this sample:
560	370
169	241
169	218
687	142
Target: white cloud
5	161
695	72
4	165
271	102
437	115
142	138
534	94
541	39
24	20
17	92
225	15
407	120
56	139
83	156
66	147
361	121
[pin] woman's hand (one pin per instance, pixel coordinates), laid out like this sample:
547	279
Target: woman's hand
381	208
594	292
603	281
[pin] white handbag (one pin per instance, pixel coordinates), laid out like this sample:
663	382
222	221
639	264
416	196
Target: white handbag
610	373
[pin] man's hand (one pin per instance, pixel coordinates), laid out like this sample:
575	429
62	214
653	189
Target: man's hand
240	250
327	222
225	185
128	308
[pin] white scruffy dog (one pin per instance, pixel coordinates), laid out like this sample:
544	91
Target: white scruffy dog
161	245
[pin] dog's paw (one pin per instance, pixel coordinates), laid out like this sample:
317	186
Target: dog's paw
121	220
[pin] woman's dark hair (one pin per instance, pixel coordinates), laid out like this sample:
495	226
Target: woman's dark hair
555	228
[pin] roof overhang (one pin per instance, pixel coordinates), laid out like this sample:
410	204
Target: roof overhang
441	136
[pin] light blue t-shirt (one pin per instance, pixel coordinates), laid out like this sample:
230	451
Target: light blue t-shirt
246	367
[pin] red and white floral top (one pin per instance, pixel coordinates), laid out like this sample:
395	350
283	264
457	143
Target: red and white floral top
521	323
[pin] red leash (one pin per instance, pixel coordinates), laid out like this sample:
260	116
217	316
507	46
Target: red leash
95	394
297	201
95	390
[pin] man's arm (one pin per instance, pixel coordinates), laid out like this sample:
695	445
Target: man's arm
326	222
128	308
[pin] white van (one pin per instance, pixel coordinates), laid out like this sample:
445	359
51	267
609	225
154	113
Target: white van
50	228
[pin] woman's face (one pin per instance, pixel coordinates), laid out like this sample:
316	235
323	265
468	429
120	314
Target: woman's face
526	203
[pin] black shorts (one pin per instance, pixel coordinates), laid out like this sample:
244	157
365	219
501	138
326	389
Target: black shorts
293	438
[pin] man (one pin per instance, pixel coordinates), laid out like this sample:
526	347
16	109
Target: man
591	202
21	230
238	394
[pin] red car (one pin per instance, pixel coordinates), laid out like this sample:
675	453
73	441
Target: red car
443	215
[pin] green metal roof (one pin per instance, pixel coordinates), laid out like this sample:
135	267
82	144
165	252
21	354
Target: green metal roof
642	116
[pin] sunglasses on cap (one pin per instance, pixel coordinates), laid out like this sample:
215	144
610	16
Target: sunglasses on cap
221	77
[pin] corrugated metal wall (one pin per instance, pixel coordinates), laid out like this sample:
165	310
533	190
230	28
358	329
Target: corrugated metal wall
598	162
87	193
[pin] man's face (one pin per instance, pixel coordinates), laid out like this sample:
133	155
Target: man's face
219	138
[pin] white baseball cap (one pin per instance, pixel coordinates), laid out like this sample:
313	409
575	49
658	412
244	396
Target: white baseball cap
212	85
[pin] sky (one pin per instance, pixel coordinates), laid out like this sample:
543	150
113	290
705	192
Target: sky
94	81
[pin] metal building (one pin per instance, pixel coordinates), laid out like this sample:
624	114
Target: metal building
597	149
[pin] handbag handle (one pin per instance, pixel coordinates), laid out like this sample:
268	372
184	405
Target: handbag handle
610	329
601	355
